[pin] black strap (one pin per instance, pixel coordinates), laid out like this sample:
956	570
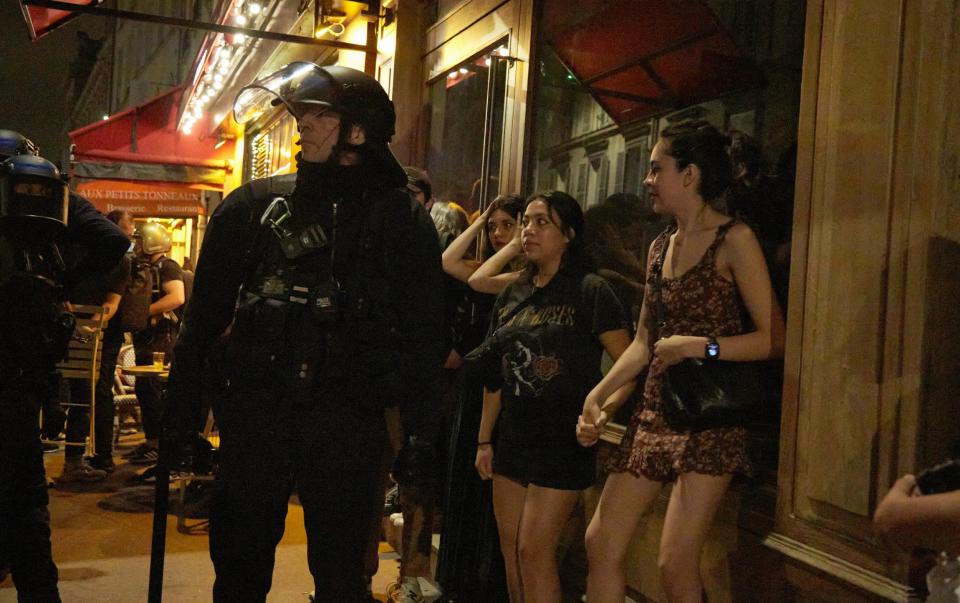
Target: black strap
523	303
660	313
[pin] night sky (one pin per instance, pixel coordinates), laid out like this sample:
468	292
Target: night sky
33	77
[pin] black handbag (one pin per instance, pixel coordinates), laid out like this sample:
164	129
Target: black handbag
699	394
482	364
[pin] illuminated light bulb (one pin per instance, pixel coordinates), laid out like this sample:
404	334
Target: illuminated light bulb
239	38
464	70
218	79
224	53
105	117
452	74
240	20
223	68
254	8
488	61
502	51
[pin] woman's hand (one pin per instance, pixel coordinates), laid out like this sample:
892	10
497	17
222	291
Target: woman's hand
484	461
893	515
590	424
677	348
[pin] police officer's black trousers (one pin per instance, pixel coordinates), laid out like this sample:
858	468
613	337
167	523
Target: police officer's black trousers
150	391
24	519
331	453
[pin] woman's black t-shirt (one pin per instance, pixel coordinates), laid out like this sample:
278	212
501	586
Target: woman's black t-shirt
546	340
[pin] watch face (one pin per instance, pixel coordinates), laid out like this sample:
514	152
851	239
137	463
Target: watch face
713	350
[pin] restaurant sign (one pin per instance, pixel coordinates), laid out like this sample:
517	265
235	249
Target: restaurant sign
143	198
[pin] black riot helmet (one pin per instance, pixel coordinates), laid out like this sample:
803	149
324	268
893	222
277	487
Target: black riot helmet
33	198
14	143
301	86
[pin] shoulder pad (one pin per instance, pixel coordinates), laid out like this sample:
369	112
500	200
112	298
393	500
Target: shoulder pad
272	186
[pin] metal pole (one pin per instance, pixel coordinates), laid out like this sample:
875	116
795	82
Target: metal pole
487	134
370	52
486	149
158	545
190	24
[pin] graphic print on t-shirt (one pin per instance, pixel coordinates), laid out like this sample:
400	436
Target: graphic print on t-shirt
526	368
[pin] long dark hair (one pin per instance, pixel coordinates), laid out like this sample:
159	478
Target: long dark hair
510	204
573	225
699	143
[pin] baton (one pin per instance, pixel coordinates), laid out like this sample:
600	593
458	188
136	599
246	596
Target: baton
158	545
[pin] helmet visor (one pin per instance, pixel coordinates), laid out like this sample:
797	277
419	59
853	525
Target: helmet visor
300	86
26	199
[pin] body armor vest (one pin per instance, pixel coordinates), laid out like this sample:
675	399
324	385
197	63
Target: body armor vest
34	325
306	300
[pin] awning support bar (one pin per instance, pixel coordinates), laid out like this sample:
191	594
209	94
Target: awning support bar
191	24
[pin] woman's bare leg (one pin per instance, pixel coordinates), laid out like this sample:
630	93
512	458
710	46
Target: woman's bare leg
508	502
693	504
545	512
623	502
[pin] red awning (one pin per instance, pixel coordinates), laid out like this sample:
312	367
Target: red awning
638	59
143	143
41	21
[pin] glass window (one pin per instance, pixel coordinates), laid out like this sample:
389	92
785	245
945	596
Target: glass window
610	74
459	118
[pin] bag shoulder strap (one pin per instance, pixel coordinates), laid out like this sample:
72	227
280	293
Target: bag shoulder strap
656	280
523	303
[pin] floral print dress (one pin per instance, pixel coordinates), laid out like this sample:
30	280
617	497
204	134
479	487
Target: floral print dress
699	302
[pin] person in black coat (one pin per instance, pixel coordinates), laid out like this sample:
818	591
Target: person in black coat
39	223
330	283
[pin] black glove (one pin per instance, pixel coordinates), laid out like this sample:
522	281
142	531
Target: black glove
416	462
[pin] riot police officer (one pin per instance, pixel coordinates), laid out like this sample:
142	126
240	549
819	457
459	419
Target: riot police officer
38	218
160	312
330	283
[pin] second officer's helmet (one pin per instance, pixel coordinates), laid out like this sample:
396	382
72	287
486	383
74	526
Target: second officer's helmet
302	86
34	200
14	143
151	238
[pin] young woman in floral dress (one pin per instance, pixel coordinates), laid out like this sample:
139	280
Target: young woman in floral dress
715	289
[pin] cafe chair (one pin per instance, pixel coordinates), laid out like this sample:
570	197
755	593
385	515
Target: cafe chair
83	362
124	397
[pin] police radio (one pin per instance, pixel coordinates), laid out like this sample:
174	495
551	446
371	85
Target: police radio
294	244
322	298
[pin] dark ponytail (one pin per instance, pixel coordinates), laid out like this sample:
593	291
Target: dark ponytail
700	143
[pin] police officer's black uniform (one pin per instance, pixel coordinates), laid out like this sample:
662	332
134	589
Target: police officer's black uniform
340	287
34	331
